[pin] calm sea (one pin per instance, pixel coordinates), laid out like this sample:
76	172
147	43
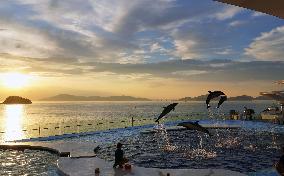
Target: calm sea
55	118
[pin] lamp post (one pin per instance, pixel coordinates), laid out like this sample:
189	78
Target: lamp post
282	111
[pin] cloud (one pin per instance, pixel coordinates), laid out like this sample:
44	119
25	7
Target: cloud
189	72
62	28
258	14
156	47
26	41
236	23
99	31
185	49
182	70
228	12
204	41
216	70
225	51
268	46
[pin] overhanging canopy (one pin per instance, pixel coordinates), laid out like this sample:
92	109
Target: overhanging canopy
271	7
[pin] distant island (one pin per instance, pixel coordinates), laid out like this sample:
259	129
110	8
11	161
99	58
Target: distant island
236	98
16	100
67	97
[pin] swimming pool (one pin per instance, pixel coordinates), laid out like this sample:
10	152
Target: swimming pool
28	162
253	147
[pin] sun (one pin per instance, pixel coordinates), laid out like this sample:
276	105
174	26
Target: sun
15	80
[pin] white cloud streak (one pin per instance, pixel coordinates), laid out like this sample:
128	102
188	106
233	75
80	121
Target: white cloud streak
268	46
228	12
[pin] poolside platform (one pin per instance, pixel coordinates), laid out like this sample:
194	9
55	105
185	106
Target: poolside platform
87	166
62	148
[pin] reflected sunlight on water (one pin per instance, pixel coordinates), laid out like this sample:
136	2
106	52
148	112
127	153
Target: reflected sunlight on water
13	122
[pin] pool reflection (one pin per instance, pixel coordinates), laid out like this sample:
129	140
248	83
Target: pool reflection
13	122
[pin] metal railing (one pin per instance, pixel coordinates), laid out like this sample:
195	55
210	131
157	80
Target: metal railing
75	127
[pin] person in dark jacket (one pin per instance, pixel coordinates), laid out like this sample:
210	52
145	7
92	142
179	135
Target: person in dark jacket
280	164
119	156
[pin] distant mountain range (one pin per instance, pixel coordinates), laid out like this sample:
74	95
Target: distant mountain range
67	97
237	98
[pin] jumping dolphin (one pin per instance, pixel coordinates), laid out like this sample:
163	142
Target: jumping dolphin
194	126
212	95
222	99
166	111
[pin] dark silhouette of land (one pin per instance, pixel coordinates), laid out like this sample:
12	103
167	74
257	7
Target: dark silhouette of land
236	98
241	98
17	100
67	97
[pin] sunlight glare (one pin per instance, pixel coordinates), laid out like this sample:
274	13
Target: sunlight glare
13	125
15	80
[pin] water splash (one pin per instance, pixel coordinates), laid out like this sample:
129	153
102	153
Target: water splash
199	154
162	138
228	142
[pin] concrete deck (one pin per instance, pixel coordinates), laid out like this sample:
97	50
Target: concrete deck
87	166
76	149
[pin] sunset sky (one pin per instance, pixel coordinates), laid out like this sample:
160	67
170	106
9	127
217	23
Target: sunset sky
143	48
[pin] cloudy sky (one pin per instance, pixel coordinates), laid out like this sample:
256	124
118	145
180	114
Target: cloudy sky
144	48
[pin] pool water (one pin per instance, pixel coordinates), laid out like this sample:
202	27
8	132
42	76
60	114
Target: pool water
27	162
242	150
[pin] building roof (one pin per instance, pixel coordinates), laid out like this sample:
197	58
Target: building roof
271	7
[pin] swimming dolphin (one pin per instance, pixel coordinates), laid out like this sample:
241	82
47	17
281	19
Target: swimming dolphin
212	95
166	111
222	99
194	126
